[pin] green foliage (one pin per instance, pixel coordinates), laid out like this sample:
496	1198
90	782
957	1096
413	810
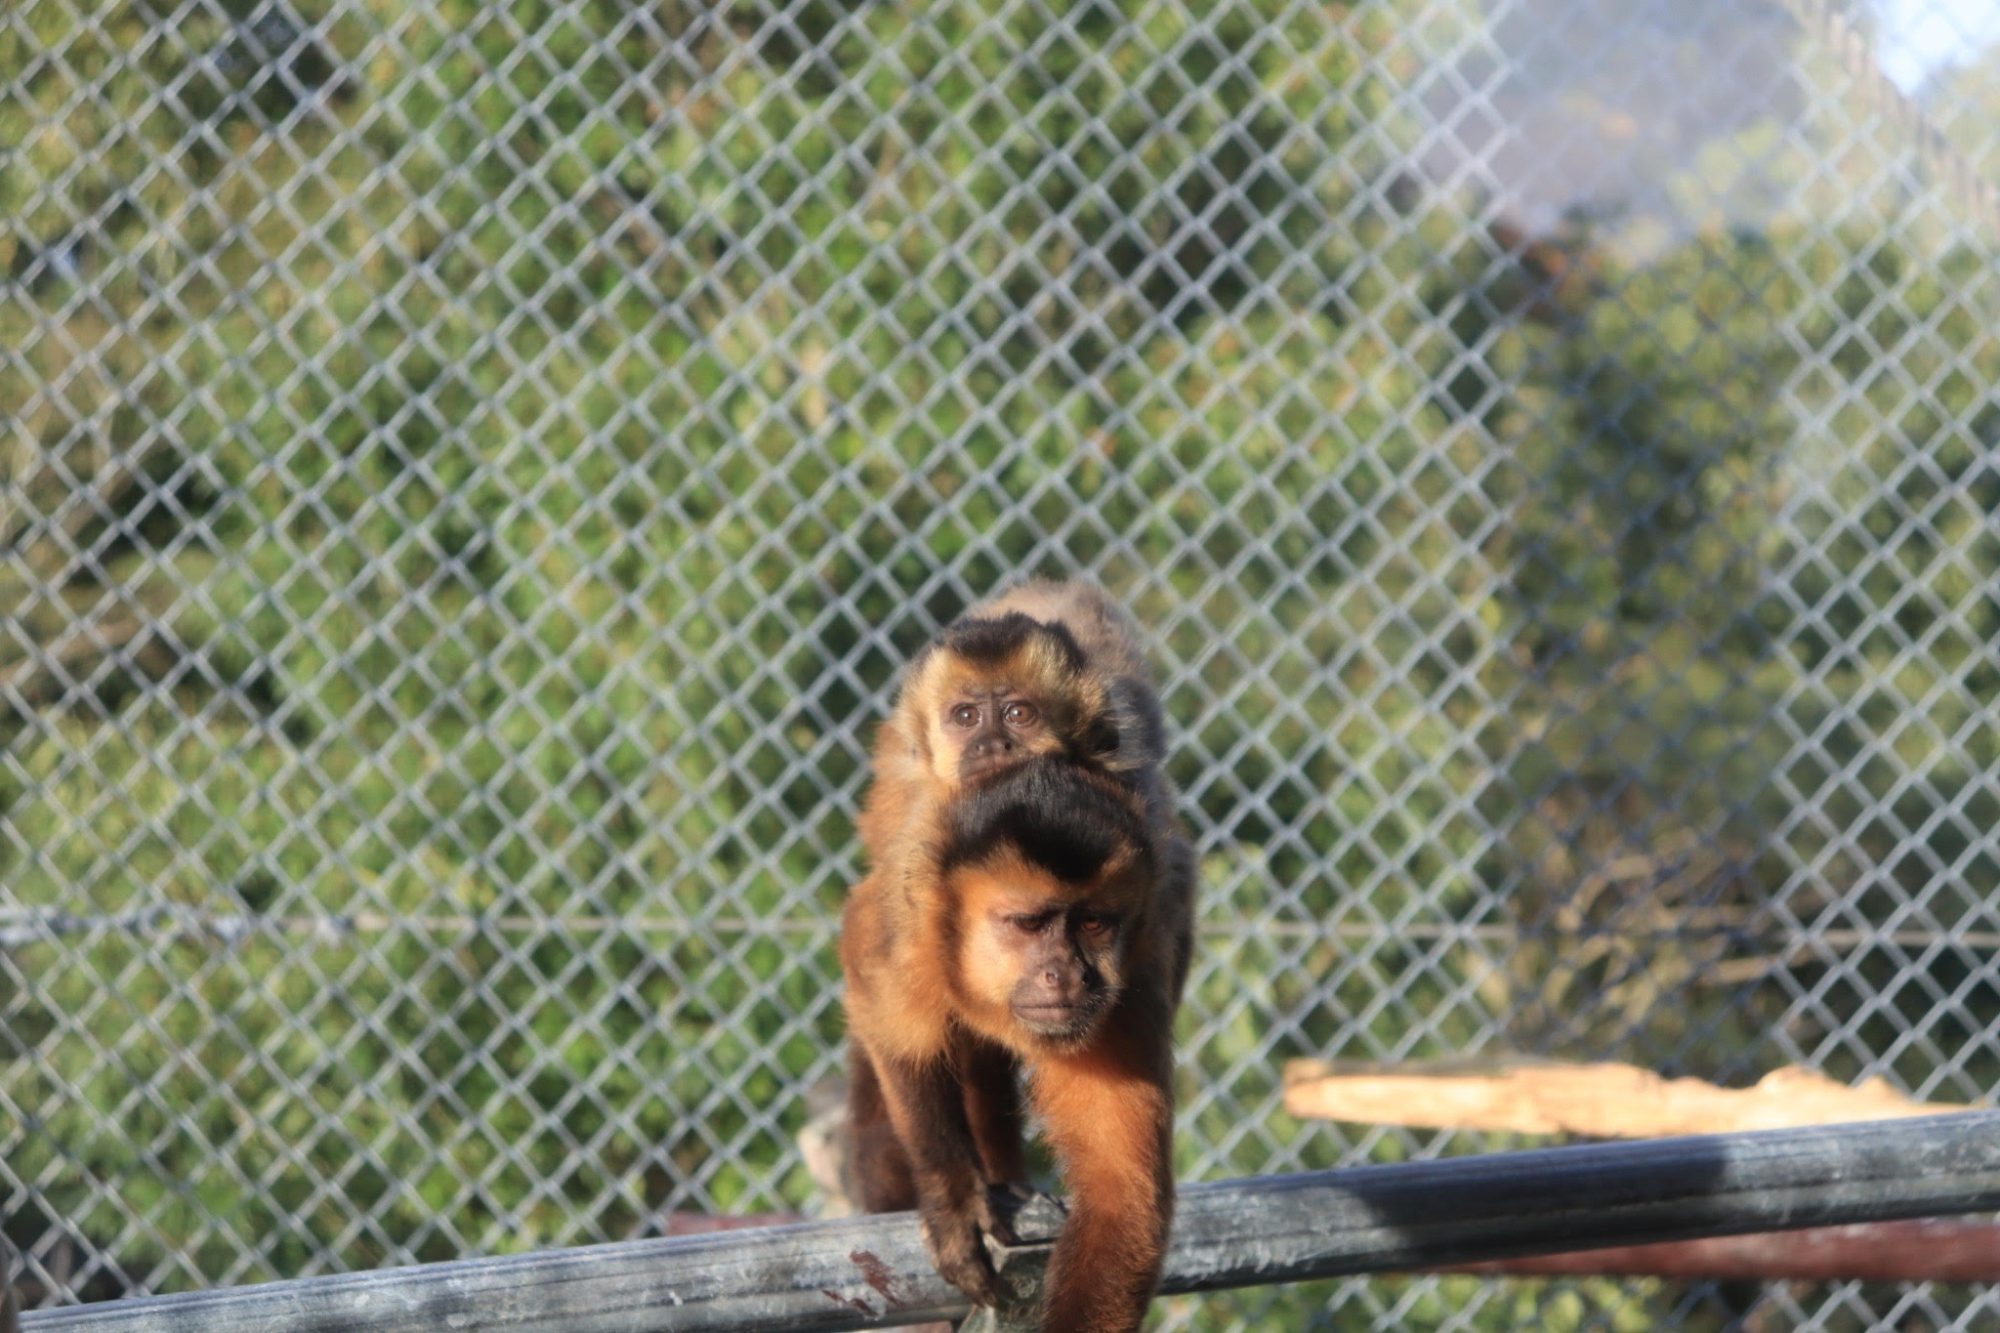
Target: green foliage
450	506
472	482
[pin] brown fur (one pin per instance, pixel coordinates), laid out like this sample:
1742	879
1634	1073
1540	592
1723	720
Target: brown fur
1102	712
1032	918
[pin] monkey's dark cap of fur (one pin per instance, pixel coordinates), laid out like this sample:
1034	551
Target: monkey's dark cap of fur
992	640
1056	813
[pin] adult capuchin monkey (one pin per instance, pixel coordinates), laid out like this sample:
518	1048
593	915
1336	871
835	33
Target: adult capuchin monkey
1029	908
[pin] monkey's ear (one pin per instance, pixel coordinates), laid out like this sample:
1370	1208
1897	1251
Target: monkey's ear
1100	742
1138	730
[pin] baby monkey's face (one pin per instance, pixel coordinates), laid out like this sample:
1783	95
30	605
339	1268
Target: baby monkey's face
991	727
994	694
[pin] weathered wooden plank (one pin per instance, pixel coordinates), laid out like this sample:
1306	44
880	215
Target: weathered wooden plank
1600	1100
871	1272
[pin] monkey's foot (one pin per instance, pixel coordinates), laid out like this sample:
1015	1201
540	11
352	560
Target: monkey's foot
959	1252
1021	1226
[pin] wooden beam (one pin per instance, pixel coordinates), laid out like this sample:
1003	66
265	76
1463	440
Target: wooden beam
1599	1100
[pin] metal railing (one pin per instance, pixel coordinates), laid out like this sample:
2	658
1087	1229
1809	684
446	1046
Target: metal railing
873	1272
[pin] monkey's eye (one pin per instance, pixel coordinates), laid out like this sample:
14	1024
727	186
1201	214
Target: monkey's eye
1090	923
964	715
1019	714
1032	924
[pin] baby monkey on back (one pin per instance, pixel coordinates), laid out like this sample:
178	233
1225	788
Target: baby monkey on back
1028	907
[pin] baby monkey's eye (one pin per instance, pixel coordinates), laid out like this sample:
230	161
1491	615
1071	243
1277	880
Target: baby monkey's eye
1032	924
1090	923
1019	714
965	715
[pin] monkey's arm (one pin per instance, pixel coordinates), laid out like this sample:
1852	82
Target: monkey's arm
993	1110
926	1105
1110	1113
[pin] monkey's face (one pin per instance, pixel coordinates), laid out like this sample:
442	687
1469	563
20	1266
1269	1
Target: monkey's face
1044	958
1047	875
1066	956
990	726
996	693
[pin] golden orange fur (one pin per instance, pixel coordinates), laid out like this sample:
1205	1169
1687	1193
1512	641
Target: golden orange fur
1028	909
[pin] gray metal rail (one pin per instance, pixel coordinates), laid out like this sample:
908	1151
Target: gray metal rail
871	1272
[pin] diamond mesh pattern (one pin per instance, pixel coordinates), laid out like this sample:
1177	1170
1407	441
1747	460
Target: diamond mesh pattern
472	472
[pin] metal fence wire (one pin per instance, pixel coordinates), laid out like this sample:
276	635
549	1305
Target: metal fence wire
473	470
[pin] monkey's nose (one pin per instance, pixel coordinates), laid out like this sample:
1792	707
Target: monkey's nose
1063	986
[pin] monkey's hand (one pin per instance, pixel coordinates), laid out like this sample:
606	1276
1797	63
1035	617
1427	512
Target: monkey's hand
951	1233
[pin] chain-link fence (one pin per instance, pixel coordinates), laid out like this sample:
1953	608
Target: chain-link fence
473	470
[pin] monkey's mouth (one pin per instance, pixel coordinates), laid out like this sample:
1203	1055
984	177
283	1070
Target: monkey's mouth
1061	1022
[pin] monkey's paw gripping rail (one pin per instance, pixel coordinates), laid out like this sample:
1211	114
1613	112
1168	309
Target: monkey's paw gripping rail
872	1272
